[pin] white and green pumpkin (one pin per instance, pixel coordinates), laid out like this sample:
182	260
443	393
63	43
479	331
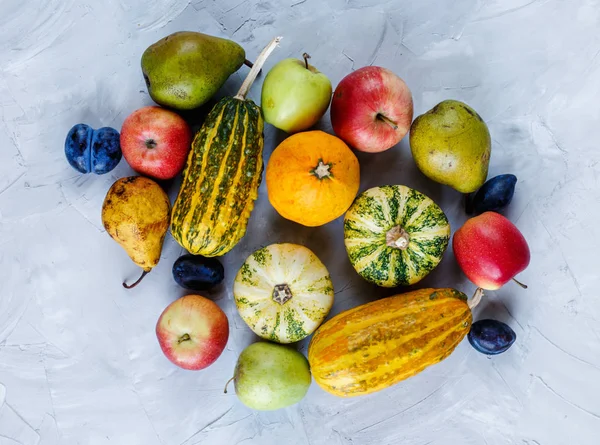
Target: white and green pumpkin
283	292
395	235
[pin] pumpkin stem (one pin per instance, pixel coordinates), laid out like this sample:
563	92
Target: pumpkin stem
476	298
227	384
306	57
258	64
398	238
282	294
524	286
387	120
322	170
132	285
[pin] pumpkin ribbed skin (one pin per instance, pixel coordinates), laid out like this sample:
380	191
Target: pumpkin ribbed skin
283	292
375	221
376	345
220	180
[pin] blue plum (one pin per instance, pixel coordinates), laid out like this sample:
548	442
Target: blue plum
96	151
196	272
77	147
495	194
106	150
491	336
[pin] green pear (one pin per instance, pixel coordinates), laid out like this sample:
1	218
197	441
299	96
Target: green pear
451	145
269	376
185	69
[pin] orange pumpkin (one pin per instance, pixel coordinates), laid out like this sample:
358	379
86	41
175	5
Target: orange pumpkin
312	178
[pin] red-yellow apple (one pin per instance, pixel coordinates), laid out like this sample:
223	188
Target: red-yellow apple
192	332
371	109
490	250
155	142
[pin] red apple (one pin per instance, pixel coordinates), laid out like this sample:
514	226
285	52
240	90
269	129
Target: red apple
192	332
490	250
371	109
155	142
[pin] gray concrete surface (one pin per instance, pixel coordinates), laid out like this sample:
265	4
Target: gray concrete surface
79	360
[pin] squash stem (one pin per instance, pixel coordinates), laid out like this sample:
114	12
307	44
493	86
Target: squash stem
250	65
132	285
476	298
227	384
258	64
524	286
398	238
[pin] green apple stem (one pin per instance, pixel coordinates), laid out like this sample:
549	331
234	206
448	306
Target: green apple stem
132	285
306	57
476	298
250	65
227	384
524	286
260	61
387	120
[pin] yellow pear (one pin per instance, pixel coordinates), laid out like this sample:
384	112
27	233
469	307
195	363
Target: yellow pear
136	213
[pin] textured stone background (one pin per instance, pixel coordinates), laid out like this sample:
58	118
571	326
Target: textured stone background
79	361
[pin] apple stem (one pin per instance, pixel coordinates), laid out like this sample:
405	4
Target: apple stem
476	298
250	65
260	61
227	384
306	57
132	285
184	337
387	120
524	286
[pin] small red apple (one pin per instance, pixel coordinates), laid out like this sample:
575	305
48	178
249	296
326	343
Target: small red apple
192	332
371	109
490	250
155	142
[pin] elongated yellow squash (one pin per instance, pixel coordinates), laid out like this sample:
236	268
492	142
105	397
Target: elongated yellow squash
376	345
222	174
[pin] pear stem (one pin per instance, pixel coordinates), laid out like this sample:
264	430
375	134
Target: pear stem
132	285
387	120
306	57
227	384
524	286
260	61
250	65
476	298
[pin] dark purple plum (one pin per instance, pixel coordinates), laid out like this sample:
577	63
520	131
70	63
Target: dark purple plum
196	272
96	151
106	150
77	146
494	195
491	337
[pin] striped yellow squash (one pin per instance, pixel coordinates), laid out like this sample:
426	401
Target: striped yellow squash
283	292
395	235
222	174
374	346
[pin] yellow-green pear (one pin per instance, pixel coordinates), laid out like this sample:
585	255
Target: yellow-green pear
451	145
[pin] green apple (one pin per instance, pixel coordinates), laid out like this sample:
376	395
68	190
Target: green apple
295	95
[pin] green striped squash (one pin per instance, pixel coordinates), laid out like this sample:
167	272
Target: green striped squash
283	292
395	235
220	180
222	173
